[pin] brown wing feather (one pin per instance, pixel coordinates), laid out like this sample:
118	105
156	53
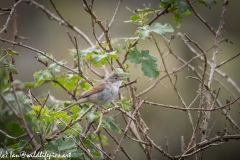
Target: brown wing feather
99	86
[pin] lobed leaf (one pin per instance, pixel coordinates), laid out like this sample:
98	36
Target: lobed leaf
147	61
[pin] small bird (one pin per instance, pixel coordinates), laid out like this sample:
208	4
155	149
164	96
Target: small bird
101	93
104	91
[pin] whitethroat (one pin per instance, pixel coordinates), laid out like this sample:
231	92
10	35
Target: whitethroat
103	92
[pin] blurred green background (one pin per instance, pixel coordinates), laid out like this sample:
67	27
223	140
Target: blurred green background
47	35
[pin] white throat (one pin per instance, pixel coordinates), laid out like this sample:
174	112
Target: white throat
117	84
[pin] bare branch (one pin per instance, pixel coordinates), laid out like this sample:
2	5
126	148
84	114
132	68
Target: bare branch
49	57
4	133
226	61
4	29
61	21
200	18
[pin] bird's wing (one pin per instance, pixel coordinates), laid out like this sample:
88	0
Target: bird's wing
99	86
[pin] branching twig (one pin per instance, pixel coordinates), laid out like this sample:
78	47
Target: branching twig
126	129
200	18
61	21
4	29
226	61
22	119
45	55
16	138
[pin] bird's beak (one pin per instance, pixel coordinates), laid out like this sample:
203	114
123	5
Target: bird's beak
121	78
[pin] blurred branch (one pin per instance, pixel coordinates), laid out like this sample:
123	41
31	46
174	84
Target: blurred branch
16	138
60	21
4	29
170	79
207	143
99	22
3	13
226	61
113	18
115	140
72	122
83	137
162	12
126	129
200	18
22	119
194	109
45	55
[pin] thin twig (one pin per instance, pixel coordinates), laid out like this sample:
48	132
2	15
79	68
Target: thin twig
23	122
83	149
211	74
208	142
162	12
113	18
226	61
115	140
200	18
4	29
16	138
49	57
61	21
193	109
69	125
126	129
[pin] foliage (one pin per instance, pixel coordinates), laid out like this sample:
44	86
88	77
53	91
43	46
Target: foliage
36	123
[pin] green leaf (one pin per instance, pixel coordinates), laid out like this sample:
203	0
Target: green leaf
65	144
163	4
56	67
177	18
182	7
101	58
149	67
62	114
36	109
12	69
42	76
51	146
126	105
134	56
144	32
167	1
13	129
208	3
75	109
145	10
156	28
49	54
75	153
72	131
11	52
134	18
104	140
108	122
122	73
91	116
161	29
61	144
18	146
85	85
84	53
42	58
148	62
29	84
